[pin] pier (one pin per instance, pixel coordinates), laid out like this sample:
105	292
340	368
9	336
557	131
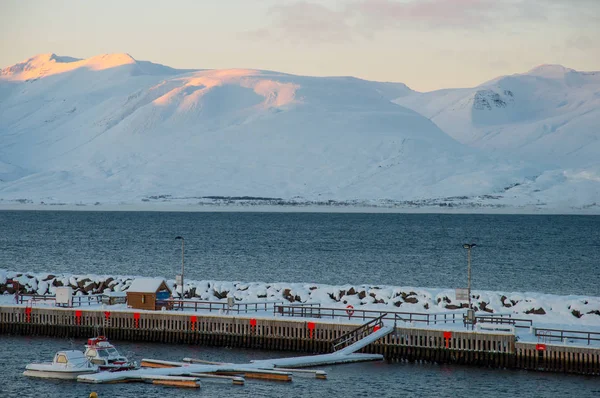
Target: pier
432	341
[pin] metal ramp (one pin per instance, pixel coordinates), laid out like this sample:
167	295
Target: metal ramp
360	334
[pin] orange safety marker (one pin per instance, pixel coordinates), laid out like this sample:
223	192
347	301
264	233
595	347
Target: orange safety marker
28	314
136	317
193	320
540	347
376	328
107	315
311	328
78	317
447	337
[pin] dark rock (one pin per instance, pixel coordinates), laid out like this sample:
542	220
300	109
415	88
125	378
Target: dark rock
49	277
504	303
411	293
373	295
220	295
412	300
426	306
83	282
312	288
288	295
446	299
57	283
362	294
333	297
89	287
261	295
298	298
513	302
456	307
243	288
597	312
483	307
536	311
398	303
351	291
382	301
342	293
576	314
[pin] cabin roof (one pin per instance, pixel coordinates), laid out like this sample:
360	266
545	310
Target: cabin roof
72	354
147	285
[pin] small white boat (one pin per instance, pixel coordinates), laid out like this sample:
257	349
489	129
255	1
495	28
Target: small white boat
65	365
104	355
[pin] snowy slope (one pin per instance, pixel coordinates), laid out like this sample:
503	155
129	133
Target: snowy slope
548	115
112	129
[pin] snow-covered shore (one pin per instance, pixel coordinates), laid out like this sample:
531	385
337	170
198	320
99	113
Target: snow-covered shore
542	308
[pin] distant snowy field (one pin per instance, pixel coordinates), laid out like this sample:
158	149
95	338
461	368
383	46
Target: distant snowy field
543	309
114	131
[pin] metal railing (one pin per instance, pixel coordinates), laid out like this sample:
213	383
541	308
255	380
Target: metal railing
76	300
561	334
314	310
503	320
223	306
356	334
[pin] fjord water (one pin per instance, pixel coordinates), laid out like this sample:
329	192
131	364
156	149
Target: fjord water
553	254
370	379
543	253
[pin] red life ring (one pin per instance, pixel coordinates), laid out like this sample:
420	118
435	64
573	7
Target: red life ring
350	310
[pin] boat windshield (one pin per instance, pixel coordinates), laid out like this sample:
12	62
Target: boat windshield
108	352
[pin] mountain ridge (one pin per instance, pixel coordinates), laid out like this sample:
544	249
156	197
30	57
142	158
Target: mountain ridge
114	129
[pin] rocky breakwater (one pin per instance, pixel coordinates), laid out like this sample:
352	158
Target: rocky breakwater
547	308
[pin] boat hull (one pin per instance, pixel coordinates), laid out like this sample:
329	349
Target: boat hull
53	374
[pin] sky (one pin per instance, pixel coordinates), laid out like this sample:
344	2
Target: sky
426	44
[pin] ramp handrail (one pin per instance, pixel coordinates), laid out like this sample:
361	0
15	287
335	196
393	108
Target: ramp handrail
354	334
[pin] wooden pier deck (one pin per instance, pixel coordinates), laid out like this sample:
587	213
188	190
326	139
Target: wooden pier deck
468	347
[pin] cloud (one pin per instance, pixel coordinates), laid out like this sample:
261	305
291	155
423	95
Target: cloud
305	21
438	13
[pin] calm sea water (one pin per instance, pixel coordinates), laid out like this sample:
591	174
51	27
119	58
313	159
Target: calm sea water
544	253
371	379
554	254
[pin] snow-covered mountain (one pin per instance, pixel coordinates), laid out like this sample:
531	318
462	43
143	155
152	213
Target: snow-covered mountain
550	114
112	129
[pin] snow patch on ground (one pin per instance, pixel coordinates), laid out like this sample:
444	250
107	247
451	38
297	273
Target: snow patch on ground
542	308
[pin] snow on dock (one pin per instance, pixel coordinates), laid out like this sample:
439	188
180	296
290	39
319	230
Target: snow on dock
264	369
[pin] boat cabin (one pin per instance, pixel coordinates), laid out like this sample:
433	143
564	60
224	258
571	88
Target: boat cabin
69	358
148	294
103	354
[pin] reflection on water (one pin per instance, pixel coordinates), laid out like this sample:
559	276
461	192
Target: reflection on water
371	379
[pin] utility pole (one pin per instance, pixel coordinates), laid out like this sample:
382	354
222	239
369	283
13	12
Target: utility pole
469	246
182	264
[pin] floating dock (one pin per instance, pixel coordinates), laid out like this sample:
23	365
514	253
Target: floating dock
405	343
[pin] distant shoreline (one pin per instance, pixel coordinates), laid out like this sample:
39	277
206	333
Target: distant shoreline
300	208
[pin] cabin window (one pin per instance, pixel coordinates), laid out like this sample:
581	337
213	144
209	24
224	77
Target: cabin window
143	299
61	359
91	353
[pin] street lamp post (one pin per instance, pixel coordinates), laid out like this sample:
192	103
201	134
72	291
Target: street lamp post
182	263
469	246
